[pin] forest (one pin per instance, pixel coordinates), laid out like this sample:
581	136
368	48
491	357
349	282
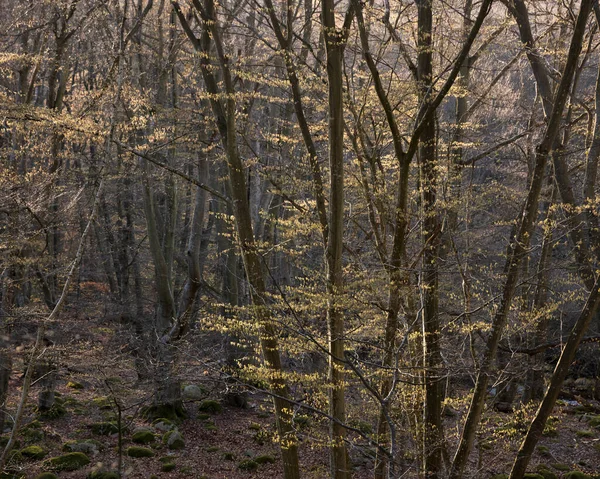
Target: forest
299	239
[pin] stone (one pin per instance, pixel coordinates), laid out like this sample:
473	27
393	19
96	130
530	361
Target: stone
104	428
210	406
137	451
174	440
89	446
71	461
143	436
192	392
33	452
163	425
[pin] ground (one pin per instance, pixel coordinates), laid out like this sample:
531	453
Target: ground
96	372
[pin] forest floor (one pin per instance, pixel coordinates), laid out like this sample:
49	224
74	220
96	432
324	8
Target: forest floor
234	442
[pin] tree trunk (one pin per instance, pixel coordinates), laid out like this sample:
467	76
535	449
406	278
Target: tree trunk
519	247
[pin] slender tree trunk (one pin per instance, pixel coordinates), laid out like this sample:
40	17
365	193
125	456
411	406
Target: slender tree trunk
432	410
334	42
519	246
225	116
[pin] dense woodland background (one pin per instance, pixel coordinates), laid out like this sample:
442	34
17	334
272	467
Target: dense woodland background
372	227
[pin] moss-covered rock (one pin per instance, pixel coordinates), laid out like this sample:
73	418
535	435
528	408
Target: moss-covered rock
88	446
34	452
500	476
103	402
193	392
46	475
585	433
104	428
264	459
168	467
163	424
545	472
229	456
71	461
74	385
561	467
532	475
102	474
137	451
248	465
576	475
143	436
210	406
174	440
172	412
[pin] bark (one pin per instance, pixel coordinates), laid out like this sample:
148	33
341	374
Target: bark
432	361
519	246
334	42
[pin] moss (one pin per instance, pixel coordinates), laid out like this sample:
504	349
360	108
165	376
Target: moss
248	465
100	474
585	433
46	475
543	451
68	462
254	426
561	467
576	475
173	440
500	476
74	385
210	406
104	428
164	411
264	459
594	421
103	402
34	452
212	449
56	410
168	467
545	472
137	451
143	437
229	456
211	427
203	416
532	475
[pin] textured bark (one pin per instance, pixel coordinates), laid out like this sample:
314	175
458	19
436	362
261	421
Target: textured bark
334	43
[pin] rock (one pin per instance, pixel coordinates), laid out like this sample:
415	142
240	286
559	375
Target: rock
74	385
89	446
174	440
68	462
104	428
34	452
143	435
163	425
248	465
137	451
193	392
100	473
210	406
576	475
